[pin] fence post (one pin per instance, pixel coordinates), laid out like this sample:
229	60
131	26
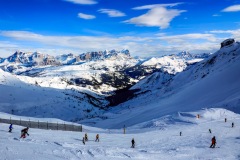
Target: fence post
47	125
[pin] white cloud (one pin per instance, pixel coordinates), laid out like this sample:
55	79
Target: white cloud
112	12
156	5
157	16
188	37
233	8
151	45
216	15
86	16
85	2
232	33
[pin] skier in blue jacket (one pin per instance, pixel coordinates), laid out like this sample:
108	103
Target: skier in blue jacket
10	128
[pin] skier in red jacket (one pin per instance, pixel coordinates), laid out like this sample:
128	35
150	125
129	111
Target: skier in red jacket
213	142
24	132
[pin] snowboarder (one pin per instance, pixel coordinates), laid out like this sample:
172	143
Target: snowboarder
86	137
97	138
83	140
10	128
180	133
213	142
225	119
210	131
133	143
232	124
24	132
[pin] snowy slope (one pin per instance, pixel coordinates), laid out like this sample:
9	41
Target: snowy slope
20	98
213	82
159	143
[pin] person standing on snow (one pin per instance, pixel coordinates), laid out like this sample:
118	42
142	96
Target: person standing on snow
24	132
86	137
97	138
213	142
133	143
10	128
83	140
210	131
232	124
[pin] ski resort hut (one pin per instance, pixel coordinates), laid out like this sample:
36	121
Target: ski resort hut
227	42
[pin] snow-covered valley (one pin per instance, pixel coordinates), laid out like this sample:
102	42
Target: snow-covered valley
155	98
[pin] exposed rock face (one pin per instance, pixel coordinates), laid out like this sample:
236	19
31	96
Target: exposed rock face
227	42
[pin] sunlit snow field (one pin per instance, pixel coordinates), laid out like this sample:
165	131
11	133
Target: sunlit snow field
157	139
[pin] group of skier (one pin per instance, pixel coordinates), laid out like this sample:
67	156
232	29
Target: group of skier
24	132
85	138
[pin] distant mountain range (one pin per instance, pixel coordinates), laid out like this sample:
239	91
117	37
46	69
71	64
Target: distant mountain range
102	71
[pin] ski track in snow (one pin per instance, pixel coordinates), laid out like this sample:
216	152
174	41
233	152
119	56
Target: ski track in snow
152	144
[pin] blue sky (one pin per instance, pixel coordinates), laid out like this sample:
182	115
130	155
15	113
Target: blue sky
145	27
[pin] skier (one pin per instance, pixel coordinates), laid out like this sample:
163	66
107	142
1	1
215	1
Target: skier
210	131
213	142
225	119
180	133
83	140
232	124
133	143
24	132
10	128
86	137
97	138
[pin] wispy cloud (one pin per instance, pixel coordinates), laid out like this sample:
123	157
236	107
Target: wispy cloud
188	37
216	15
157	16
232	33
86	16
233	8
156	5
84	2
112	12
150	45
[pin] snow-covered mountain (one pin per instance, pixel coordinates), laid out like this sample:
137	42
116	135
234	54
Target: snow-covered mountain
168	94
213	82
96	85
103	72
